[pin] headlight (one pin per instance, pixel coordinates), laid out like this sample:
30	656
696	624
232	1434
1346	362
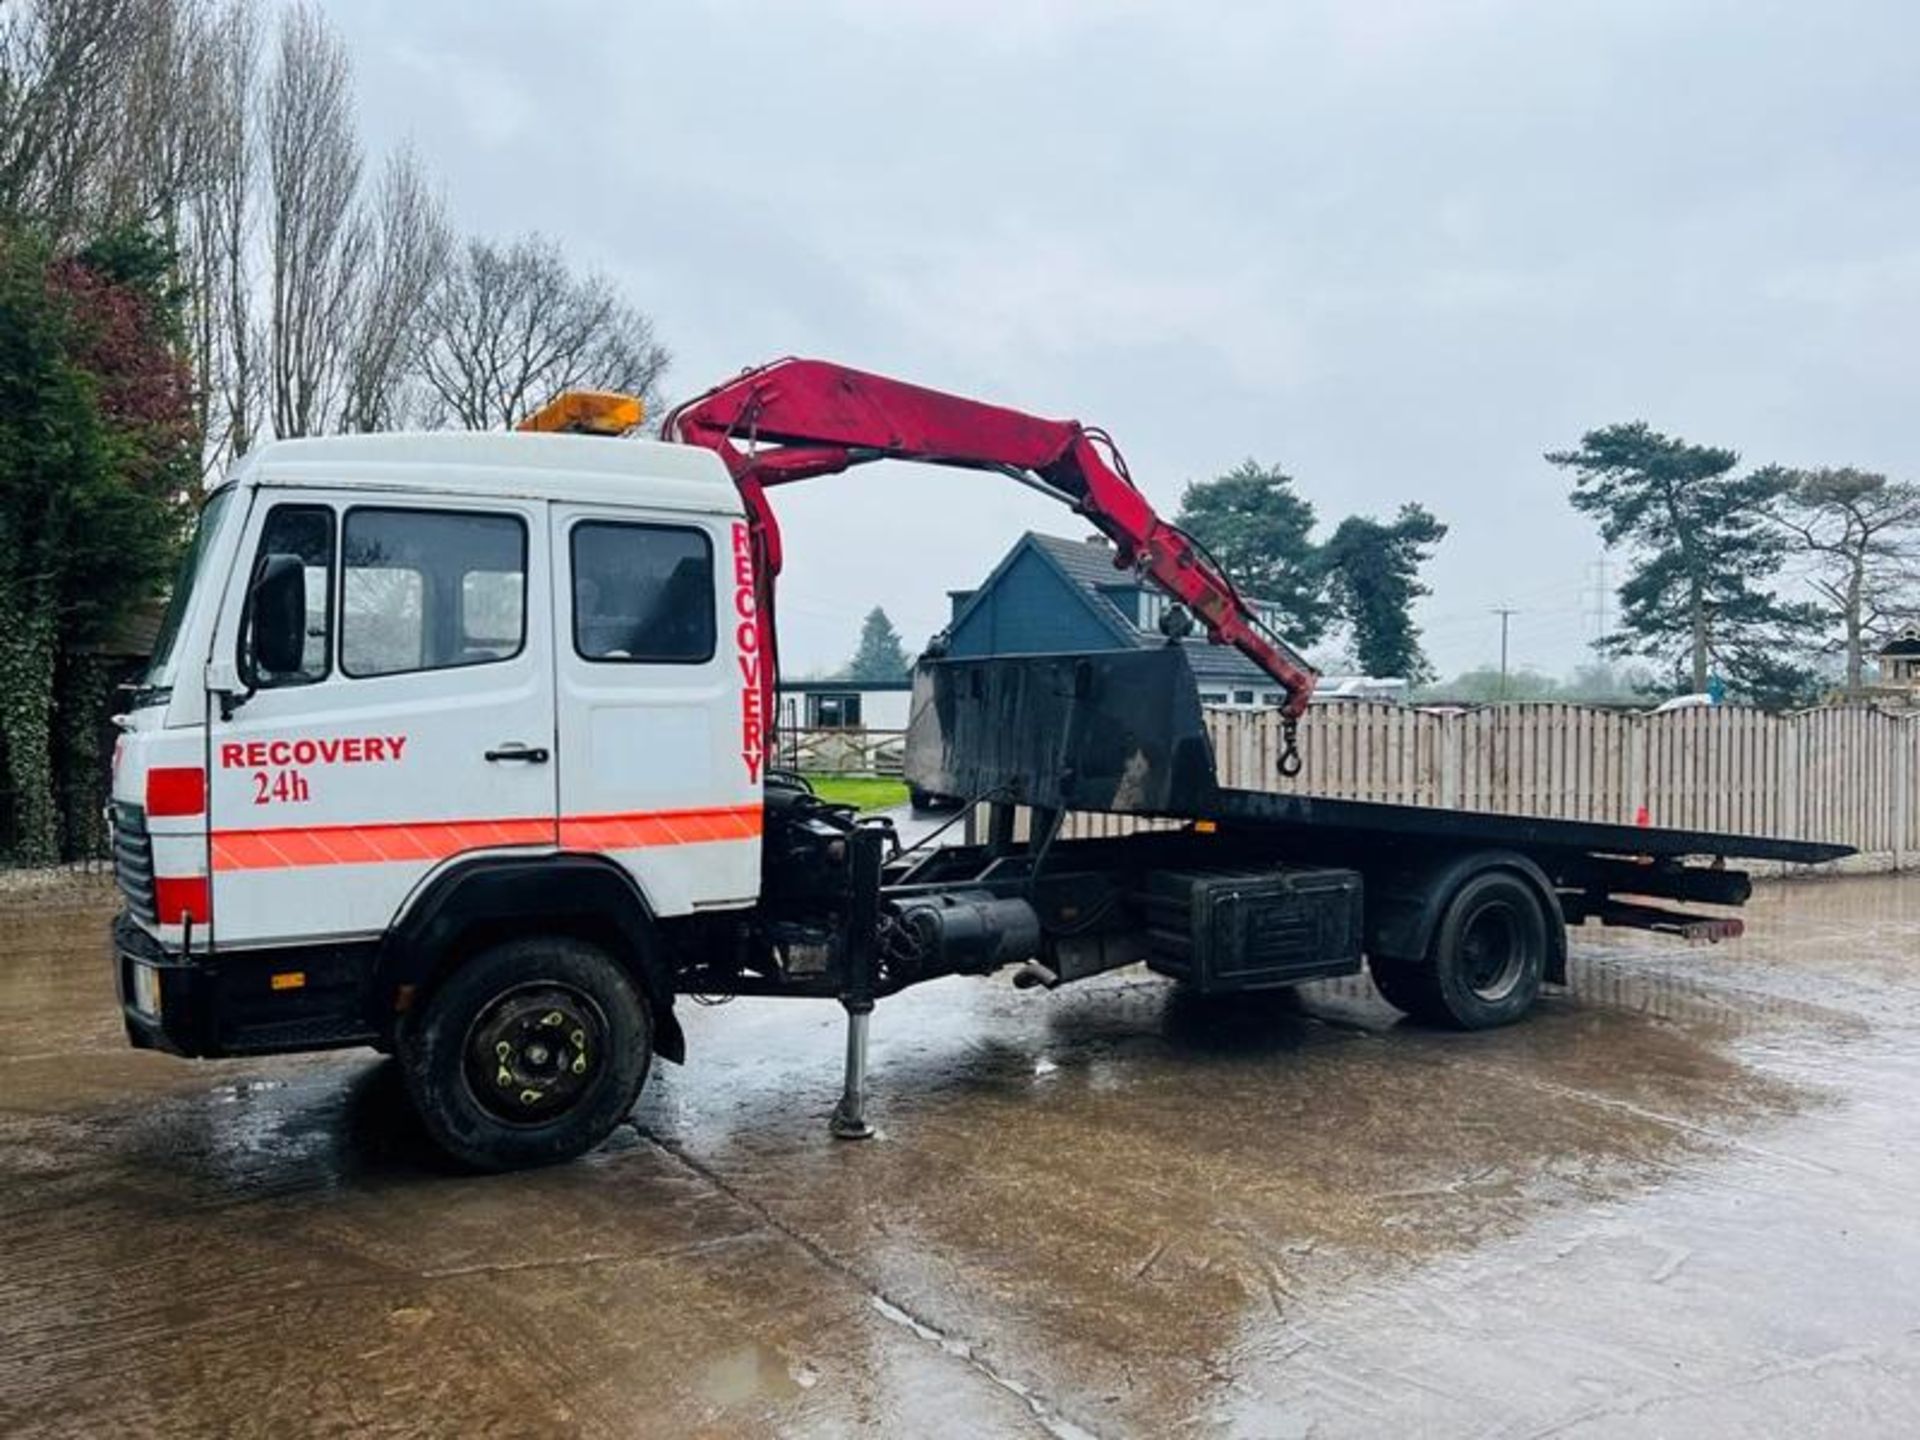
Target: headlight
146	990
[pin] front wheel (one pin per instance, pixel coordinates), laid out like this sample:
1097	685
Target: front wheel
1487	961
529	1053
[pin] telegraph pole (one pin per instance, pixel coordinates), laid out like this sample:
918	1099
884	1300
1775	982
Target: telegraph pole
1505	613
1601	574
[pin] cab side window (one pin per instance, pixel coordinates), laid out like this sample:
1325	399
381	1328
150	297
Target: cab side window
642	594
305	531
430	590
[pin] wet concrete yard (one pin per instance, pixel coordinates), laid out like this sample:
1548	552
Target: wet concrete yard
1683	1200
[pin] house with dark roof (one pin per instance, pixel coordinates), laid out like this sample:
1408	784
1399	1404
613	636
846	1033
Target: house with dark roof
1050	595
1900	664
841	704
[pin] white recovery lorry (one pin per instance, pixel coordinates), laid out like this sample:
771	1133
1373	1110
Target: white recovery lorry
457	746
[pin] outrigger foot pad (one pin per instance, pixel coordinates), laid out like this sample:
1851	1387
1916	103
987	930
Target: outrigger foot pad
849	1125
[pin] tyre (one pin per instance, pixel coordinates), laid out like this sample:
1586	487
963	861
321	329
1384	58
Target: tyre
1404	984
1486	962
527	1054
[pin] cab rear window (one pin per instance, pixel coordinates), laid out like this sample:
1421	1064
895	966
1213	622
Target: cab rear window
642	594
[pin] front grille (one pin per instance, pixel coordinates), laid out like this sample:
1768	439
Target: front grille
133	859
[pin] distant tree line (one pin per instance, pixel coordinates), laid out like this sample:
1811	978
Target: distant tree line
196	255
1595	683
1768	584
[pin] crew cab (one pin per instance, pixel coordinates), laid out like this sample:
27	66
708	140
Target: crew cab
419	696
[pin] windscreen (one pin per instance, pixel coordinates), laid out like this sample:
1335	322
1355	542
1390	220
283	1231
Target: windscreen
185	582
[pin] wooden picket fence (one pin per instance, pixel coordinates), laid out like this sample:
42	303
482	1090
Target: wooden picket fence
842	752
1848	774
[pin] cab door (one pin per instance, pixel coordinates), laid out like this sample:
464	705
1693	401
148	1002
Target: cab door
415	726
654	769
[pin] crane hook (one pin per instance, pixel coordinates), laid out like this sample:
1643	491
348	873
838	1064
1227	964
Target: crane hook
1290	761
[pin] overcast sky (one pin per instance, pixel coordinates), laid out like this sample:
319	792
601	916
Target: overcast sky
1398	248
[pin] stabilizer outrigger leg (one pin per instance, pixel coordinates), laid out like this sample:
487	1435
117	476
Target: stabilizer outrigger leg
850	1115
862	962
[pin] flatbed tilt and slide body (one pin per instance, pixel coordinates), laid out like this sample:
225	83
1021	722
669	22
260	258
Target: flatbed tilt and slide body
1461	915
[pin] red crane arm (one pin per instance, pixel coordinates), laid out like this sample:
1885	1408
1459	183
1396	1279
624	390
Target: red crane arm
796	419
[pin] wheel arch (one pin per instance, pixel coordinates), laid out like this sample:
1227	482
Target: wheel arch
1405	904
482	901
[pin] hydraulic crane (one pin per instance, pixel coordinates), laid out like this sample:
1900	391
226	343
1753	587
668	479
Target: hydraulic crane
797	419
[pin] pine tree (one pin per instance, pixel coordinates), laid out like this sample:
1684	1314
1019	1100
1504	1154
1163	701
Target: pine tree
1260	532
880	656
1373	573
1704	553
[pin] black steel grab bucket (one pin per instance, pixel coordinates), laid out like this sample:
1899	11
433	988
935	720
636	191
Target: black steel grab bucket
1113	730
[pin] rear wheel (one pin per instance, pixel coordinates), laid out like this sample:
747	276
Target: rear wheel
529	1053
1485	964
1404	984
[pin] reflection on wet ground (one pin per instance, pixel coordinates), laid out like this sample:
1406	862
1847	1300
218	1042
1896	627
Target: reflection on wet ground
1678	1200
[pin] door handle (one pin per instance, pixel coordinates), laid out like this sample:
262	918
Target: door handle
514	750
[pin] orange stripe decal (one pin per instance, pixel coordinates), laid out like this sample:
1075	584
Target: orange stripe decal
293	848
665	827
296	848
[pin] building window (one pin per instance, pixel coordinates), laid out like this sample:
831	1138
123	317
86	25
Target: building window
1213	697
1243	697
1270	697
431	590
642	594
833	712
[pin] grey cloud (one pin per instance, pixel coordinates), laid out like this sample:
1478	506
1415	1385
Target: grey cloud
1400	248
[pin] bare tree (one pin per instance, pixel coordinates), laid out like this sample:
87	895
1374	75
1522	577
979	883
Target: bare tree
311	304
513	325
69	74
1860	533
159	147
317	235
112	115
220	230
411	246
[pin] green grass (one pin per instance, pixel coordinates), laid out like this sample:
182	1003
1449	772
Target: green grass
867	792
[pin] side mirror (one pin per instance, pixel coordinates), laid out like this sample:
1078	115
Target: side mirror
277	607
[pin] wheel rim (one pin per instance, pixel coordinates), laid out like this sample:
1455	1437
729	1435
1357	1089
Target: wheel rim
1493	952
533	1051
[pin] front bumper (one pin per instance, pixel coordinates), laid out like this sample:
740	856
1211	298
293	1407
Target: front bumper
180	1027
227	1004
